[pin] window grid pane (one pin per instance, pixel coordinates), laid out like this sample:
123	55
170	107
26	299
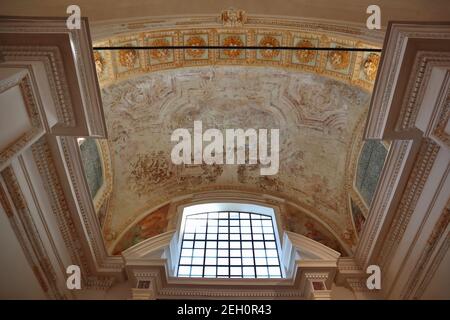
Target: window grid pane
229	244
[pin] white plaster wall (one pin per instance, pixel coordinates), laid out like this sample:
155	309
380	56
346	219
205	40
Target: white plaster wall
17	280
439	286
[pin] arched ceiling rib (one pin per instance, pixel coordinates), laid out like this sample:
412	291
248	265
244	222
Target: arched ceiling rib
355	68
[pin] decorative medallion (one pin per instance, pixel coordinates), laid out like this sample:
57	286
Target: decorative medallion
269	42
370	66
127	58
232	41
195	41
159	54
339	59
233	18
305	56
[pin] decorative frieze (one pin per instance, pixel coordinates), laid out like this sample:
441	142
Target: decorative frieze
440	230
29	237
355	68
67	226
419	175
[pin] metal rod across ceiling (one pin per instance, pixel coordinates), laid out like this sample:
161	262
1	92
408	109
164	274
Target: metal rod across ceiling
236	48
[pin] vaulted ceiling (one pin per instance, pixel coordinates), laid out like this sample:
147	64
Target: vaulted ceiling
318	100
316	117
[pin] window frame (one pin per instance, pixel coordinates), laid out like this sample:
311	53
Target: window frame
244	208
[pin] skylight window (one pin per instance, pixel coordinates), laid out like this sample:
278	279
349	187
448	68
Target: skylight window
229	241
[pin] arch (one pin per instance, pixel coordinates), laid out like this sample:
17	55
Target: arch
355	71
355	68
173	210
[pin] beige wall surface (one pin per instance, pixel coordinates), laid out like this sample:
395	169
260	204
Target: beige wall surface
342	10
17	280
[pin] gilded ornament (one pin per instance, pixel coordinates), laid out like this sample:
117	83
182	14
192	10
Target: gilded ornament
233	18
99	62
160	54
305	56
269	42
339	59
127	58
370	66
232	41
195	41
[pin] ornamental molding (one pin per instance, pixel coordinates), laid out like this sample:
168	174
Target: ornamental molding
70	152
52	185
73	238
400	35
383	200
67	58
106	29
358	285
435	263
352	157
351	167
233	17
424	64
23	81
439	232
106	189
144	264
4	201
443	118
347	265
308	245
355	68
414	188
28	235
50	56
404	77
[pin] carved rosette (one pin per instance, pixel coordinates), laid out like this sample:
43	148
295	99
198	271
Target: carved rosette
269	42
160	54
127	58
232	41
305	56
339	59
195	41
